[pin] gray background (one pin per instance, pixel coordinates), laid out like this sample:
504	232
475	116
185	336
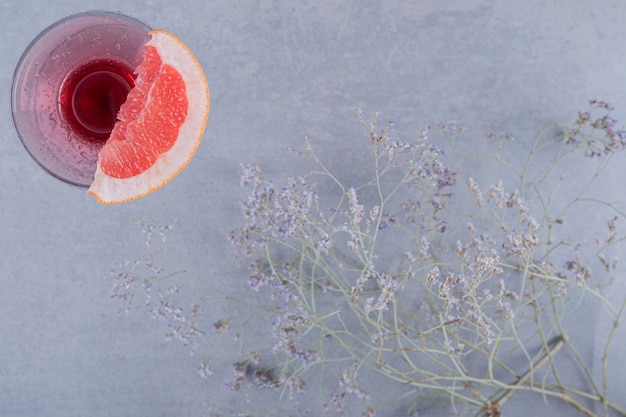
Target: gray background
277	70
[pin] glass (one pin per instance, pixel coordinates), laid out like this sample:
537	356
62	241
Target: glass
68	86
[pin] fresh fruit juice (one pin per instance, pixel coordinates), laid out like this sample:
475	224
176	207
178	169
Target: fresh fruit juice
68	87
92	95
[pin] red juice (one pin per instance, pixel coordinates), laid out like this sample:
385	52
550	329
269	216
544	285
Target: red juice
91	96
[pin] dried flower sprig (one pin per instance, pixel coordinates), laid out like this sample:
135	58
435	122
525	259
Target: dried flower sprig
489	291
431	282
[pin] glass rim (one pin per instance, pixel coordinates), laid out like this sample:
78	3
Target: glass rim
59	22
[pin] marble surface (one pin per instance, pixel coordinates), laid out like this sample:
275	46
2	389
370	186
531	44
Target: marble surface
278	71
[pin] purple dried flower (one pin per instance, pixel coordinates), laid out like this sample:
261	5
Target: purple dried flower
205	369
349	384
355	210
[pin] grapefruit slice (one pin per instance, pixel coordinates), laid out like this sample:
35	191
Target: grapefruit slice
159	126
